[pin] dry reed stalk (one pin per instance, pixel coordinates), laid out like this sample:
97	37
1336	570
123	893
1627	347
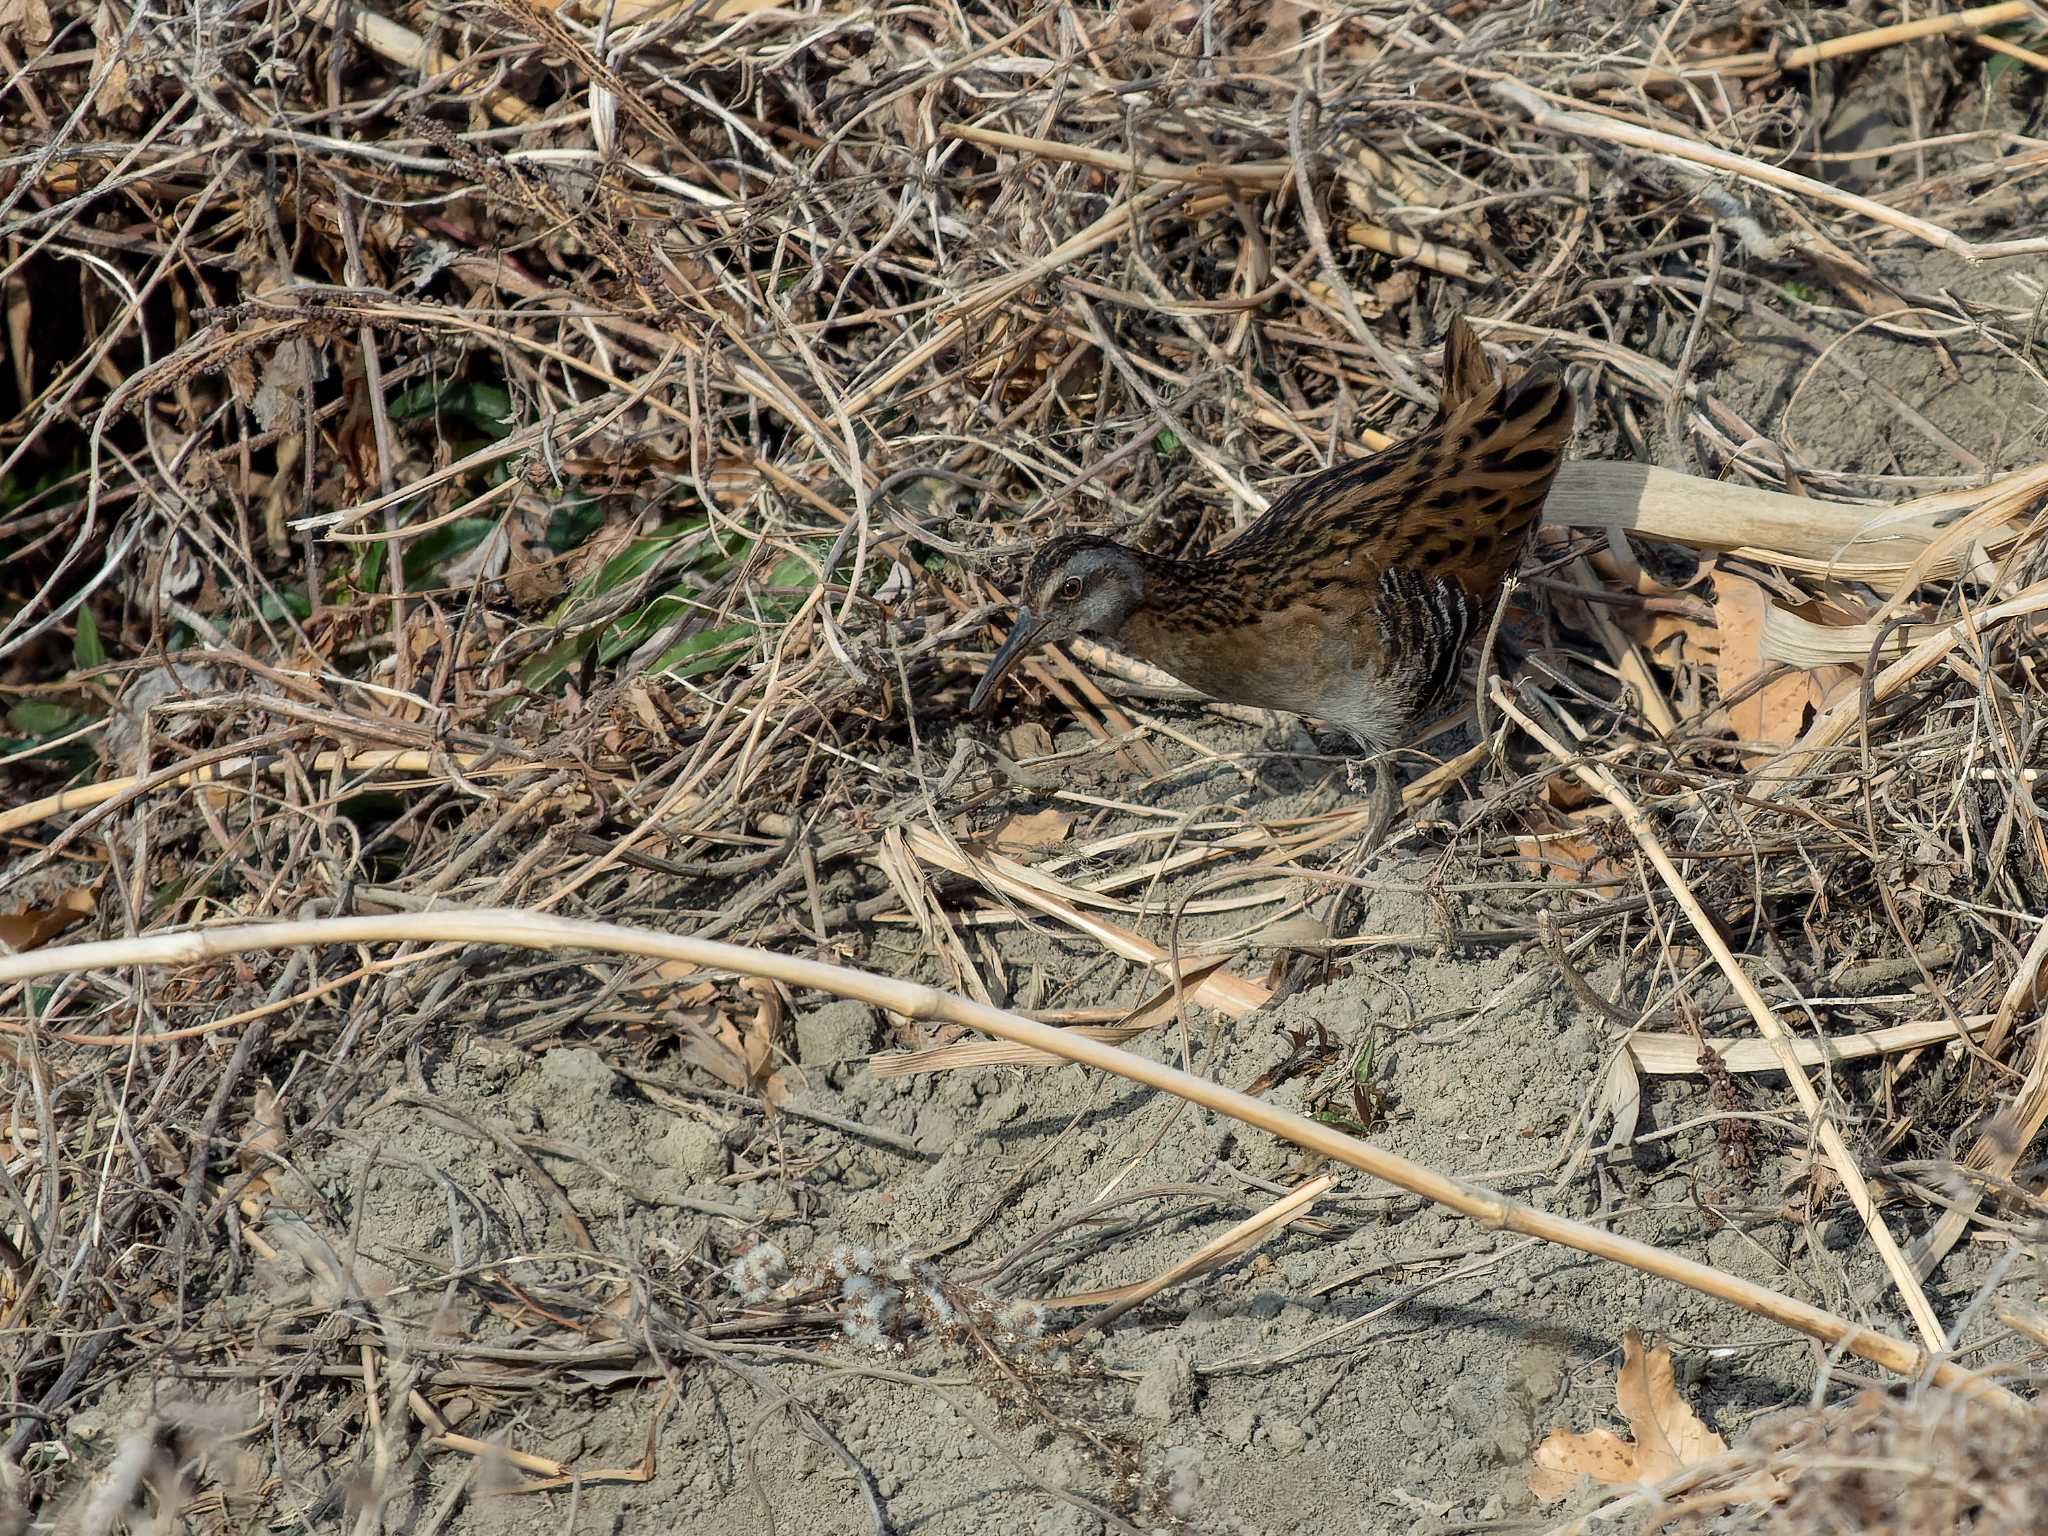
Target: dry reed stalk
1840	1158
229	767
528	930
1678	1055
1968	20
1899	547
2011	50
1238	1241
1570	117
1436	257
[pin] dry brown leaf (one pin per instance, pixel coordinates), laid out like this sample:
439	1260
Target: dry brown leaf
1569	859
535	578
763	1027
1621	1096
1563	1458
267	1138
1669	1436
27	20
1671	638
1828	685
1024	742
257	1156
1777	711
1560	843
1038	829
110	64
290	372
33	927
641	702
1564	794
717	1046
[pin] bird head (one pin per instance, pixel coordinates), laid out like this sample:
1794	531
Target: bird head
1079	584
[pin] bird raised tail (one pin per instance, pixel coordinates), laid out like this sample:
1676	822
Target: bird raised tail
1468	376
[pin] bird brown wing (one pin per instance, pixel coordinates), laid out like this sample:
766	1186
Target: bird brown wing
1402	554
1456	501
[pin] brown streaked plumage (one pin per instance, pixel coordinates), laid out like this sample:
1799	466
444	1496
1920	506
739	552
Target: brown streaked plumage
1354	598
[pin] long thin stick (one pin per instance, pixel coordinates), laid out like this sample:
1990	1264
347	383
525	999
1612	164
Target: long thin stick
1246	1235
1657	142
1972	20
527	930
1839	1156
1267	175
378	760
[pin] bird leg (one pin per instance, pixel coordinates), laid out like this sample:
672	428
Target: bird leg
1385	803
1386	800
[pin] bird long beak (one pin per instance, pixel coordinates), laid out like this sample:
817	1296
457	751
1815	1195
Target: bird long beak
1023	639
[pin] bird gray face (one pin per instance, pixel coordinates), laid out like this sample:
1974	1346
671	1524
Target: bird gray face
1078	585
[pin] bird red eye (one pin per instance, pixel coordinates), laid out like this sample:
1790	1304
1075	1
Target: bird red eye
1070	588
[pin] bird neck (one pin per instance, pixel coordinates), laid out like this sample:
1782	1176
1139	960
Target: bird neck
1186	620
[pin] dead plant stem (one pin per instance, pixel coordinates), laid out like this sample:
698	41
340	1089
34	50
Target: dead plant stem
529	930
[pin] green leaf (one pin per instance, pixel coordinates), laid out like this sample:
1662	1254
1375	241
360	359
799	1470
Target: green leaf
773	595
444	545
628	563
370	574
554	663
284	600
86	650
628	635
706	651
484	406
39	720
572	524
1998	65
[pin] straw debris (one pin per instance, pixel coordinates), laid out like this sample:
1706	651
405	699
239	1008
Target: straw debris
568	459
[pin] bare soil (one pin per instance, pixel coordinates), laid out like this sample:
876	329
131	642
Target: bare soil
483	1241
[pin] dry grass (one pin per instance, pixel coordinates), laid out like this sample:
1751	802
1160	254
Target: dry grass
563	458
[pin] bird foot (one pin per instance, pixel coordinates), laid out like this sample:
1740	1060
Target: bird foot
1298	974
